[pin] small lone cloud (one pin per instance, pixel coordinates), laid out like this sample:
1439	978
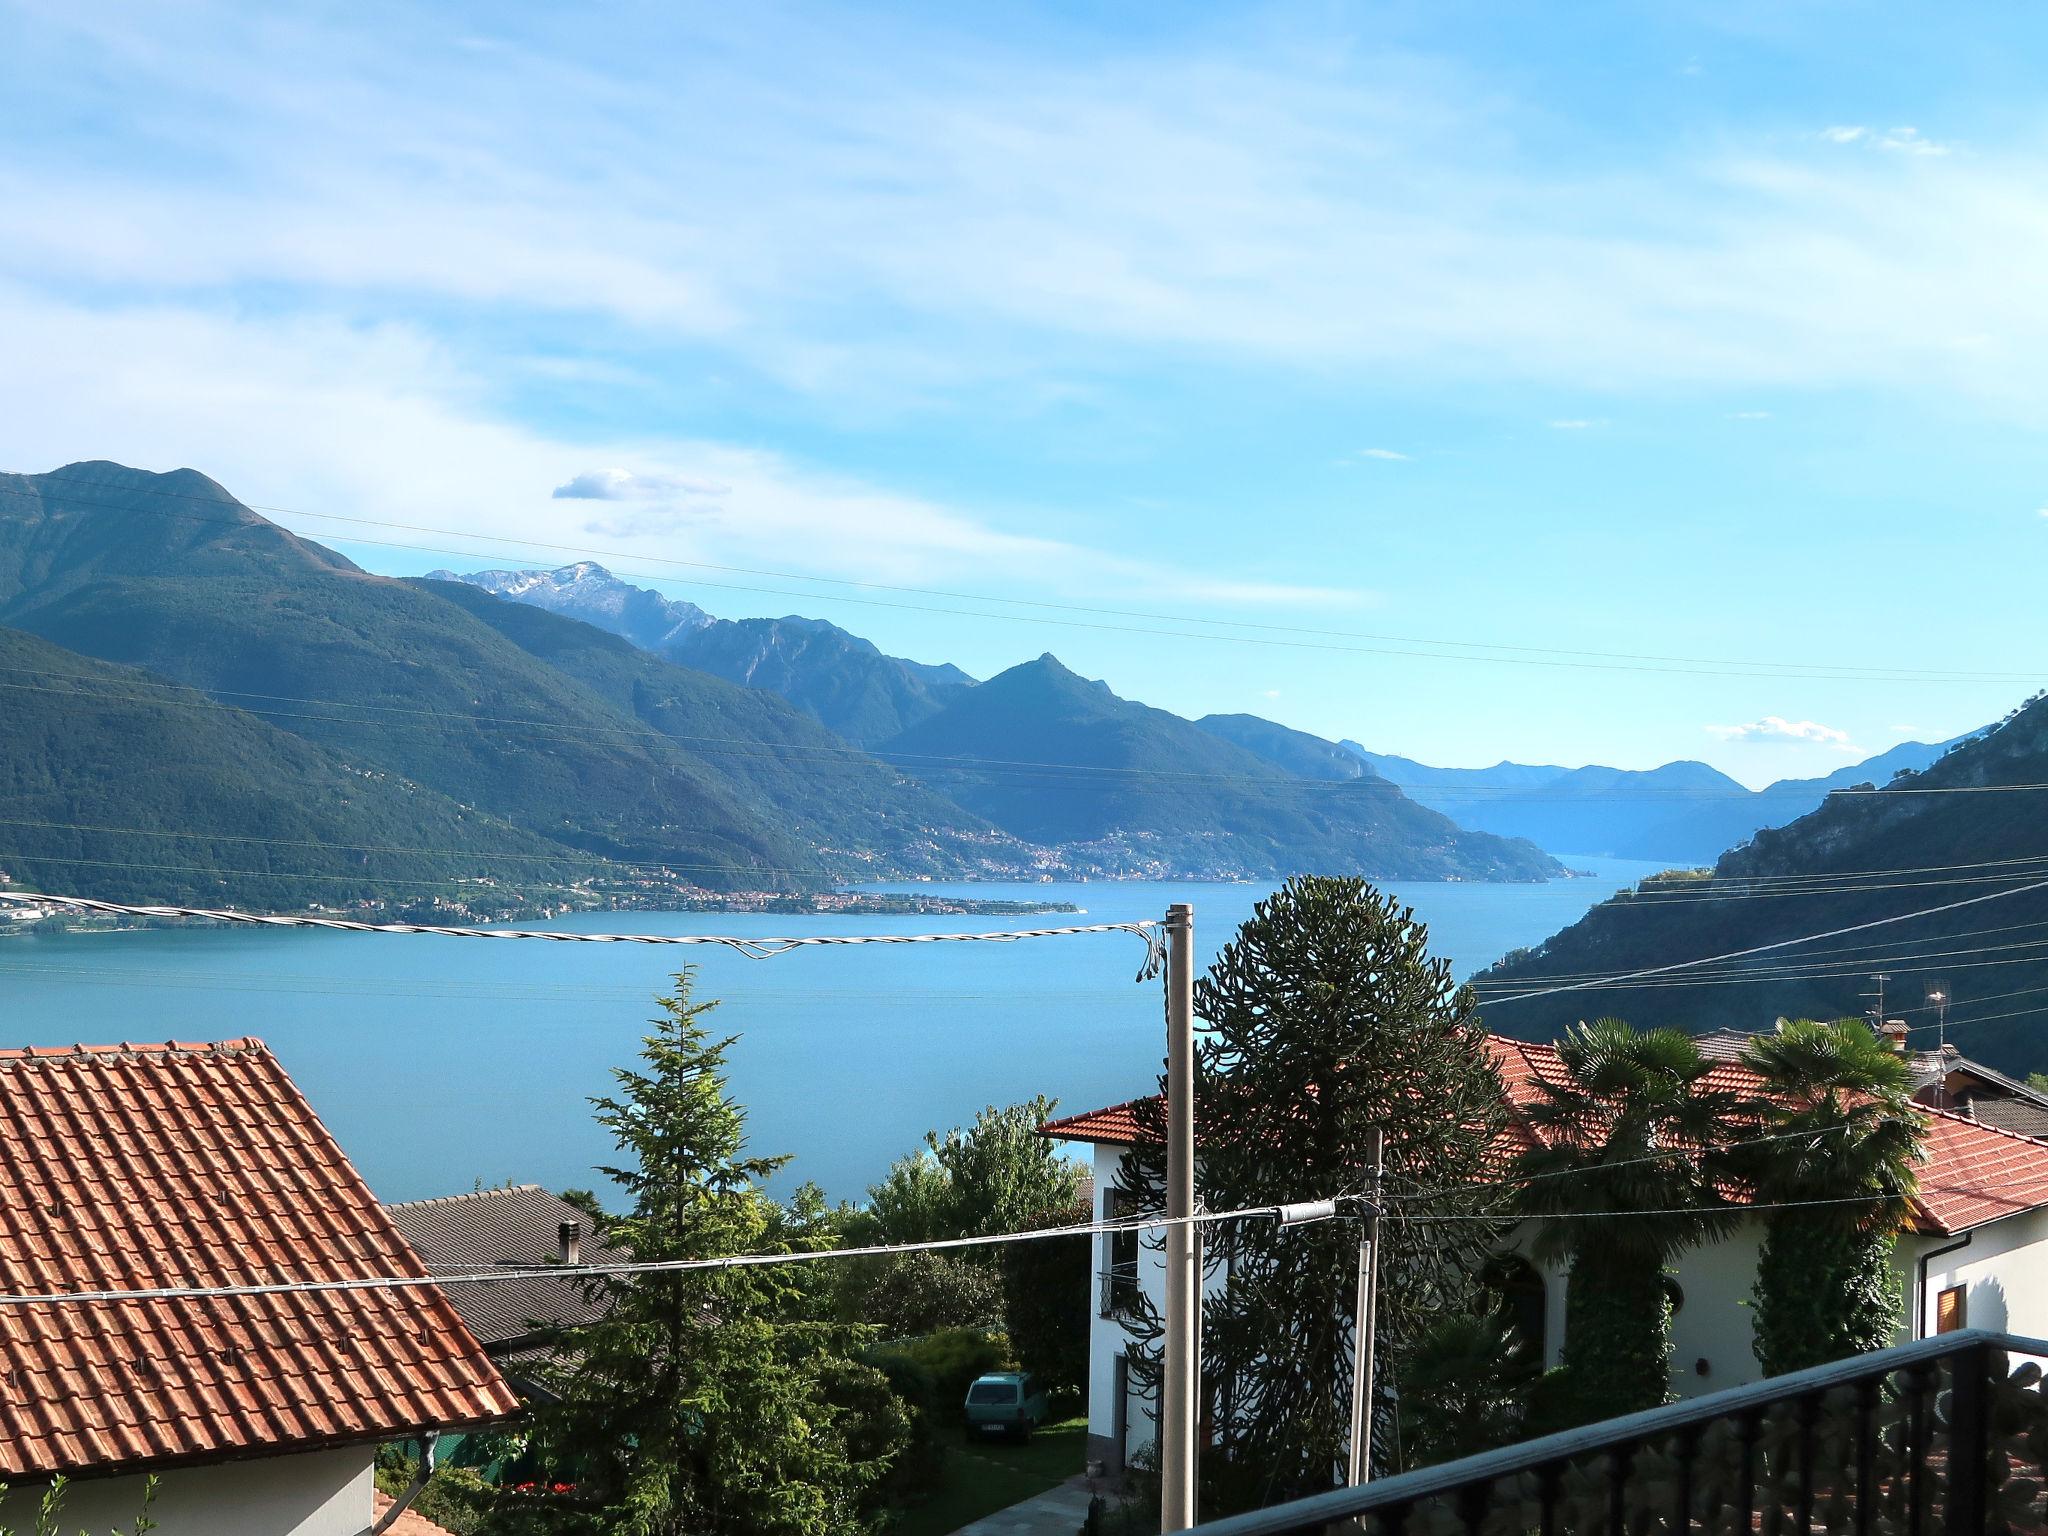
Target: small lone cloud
626	485
1576	424
1778	728
1903	140
1844	133
1383	453
1271	693
1749	415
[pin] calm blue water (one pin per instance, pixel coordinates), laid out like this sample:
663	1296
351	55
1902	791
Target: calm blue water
442	1062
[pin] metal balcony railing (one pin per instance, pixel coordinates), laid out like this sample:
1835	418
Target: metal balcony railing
1119	1289
1947	1435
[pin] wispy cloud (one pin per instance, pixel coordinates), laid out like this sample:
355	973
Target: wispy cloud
1383	453
1575	424
1776	728
1845	133
630	485
1749	415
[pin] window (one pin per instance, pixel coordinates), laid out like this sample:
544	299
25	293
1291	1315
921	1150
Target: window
1119	1255
992	1392
1950	1310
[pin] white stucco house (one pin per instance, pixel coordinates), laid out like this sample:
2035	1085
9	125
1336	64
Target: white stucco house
171	1166
1976	1255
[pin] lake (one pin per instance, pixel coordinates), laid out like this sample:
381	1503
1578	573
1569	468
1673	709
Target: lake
439	1063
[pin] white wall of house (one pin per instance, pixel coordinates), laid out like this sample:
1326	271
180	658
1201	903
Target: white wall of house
2003	1269
317	1493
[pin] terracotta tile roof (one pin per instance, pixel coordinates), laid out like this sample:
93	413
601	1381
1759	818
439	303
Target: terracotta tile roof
411	1523
521	1227
1975	1172
182	1164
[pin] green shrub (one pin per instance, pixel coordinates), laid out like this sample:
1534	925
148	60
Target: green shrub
950	1359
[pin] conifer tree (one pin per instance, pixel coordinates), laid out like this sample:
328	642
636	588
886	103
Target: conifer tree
1324	1019
714	1401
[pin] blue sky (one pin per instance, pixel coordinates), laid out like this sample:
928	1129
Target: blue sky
1710	333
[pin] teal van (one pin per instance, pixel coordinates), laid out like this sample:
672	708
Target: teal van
1008	1402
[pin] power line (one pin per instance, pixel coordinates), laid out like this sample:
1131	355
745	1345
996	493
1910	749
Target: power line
1683	965
1270	1211
753	948
1543	656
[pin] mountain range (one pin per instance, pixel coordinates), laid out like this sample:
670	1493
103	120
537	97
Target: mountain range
342	734
1683	812
1943	861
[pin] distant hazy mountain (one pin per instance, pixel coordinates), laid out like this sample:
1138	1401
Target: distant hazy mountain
171	574
837	678
1054	758
1295	752
1897	852
1685	812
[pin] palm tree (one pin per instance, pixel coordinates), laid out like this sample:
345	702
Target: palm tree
1836	1123
1627	1164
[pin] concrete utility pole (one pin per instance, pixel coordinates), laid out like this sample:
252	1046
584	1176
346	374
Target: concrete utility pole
1181	1392
1363	1329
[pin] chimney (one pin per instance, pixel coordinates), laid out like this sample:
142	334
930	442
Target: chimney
569	1242
1895	1035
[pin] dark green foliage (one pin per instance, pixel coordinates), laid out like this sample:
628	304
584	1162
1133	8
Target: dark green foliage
1327	1019
996	1175
950	1359
925	1292
1837	1122
1046	1301
711	1401
1465	1389
1630	1146
1161	793
114	785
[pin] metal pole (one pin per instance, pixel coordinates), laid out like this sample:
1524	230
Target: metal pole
1180	1393
1362	1337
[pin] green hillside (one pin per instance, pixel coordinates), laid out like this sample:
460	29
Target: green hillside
1142	790
830	796
117	786
1925	840
171	574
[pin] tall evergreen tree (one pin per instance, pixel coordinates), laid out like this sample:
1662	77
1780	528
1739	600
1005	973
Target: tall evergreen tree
1326	1019
711	1402
1836	1123
1631	1148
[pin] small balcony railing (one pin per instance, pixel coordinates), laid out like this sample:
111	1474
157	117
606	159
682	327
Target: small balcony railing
1119	1289
1947	1435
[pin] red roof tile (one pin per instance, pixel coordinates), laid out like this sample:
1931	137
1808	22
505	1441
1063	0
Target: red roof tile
181	1164
1974	1172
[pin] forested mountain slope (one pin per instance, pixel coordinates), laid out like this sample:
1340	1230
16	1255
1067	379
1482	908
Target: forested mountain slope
117	785
1054	758
1974	824
171	574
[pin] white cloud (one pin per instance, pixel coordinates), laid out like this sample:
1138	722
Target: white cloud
839	212
381	423
628	485
1777	728
1749	415
1383	453
1575	424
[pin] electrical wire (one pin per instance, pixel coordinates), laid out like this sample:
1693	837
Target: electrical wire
753	948
444	1277
1758	949
1454	650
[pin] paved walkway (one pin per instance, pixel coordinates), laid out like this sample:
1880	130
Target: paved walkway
1056	1512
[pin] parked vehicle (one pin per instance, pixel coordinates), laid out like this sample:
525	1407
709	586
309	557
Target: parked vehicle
1006	1402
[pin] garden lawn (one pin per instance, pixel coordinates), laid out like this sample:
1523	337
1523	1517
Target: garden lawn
983	1476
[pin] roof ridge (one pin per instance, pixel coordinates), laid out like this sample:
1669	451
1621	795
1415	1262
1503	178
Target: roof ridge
82	1052
469	1194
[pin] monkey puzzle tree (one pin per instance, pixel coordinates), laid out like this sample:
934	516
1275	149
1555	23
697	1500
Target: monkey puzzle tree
1325	1019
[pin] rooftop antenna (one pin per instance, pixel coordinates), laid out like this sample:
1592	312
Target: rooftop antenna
1939	998
1877	1013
